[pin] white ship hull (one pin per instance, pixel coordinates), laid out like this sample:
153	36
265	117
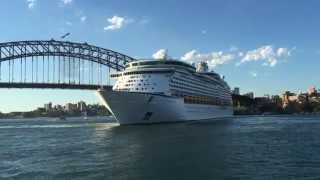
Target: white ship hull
140	108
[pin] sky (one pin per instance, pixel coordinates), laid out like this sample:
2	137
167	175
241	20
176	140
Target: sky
266	47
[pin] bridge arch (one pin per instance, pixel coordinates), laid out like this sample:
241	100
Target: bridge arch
22	49
73	55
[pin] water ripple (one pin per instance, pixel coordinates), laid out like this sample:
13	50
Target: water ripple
267	147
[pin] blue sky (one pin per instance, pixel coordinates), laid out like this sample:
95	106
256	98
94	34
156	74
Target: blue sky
262	46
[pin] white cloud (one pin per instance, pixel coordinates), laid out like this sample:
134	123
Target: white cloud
189	56
233	48
253	74
213	59
31	3
144	21
203	32
116	22
267	54
83	19
283	52
66	2
160	54
68	23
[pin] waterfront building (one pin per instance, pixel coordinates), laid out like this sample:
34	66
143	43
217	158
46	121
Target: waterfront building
82	106
48	107
288	97
276	99
236	91
262	100
312	91
69	107
58	107
250	95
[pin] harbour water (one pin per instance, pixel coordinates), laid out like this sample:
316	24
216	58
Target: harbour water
239	148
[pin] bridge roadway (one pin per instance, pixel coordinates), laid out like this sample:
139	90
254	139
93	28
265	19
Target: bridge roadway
11	85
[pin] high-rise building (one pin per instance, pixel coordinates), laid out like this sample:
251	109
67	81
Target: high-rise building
58	107
70	107
276	99
312	91
236	91
288	97
249	95
48	107
82	106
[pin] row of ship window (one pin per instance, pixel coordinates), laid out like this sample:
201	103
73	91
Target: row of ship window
199	89
146	72
137	80
189	76
128	73
206	100
192	90
192	99
138	84
180	93
133	89
187	79
203	86
183	85
143	76
177	63
196	81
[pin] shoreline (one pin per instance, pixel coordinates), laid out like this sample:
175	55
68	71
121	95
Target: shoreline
68	118
110	117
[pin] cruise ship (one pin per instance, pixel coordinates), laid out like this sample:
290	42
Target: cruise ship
155	91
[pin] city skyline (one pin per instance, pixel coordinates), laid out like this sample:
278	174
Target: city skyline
264	48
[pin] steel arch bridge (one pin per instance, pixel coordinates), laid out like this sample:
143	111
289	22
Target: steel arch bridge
57	64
